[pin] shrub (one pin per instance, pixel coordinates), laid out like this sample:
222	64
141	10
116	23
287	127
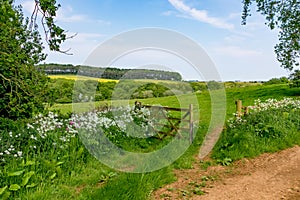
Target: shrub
22	87
214	85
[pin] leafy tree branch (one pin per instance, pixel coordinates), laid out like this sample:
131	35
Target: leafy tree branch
284	15
54	34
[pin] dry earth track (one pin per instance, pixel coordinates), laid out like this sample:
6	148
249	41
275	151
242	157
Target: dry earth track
269	176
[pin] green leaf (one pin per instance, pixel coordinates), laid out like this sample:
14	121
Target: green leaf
59	163
5	195
17	173
14	187
2	190
26	177
112	174
31	185
29	163
53	176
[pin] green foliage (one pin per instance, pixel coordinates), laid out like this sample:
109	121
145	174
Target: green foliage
63	91
268	130
22	87
104	90
54	34
149	90
295	79
68	91
282	80
38	152
284	15
198	86
214	85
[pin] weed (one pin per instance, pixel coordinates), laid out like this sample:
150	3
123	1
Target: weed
198	191
205	164
225	161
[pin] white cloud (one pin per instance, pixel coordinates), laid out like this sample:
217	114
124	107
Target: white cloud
236	51
200	15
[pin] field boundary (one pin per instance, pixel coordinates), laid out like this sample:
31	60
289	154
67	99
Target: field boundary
173	122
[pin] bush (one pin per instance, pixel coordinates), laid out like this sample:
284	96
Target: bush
214	85
281	80
22	87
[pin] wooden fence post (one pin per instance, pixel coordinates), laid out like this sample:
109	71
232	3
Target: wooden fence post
191	123
239	107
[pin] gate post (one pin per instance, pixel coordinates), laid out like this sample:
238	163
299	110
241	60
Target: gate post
191	123
239	107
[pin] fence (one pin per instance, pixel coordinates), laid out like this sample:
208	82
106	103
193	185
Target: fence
240	109
174	122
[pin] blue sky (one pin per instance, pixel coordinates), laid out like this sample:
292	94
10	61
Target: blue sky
239	52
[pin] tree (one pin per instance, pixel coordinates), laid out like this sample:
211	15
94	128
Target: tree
282	80
285	15
295	78
22	87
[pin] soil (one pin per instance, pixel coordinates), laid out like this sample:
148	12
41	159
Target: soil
269	176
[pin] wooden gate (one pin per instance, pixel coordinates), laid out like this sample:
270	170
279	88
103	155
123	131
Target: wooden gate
174	122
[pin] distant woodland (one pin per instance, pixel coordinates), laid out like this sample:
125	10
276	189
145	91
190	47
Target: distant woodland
109	73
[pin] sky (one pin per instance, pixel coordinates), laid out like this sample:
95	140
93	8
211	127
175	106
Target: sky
238	52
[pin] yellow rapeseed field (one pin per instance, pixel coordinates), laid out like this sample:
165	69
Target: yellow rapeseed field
75	77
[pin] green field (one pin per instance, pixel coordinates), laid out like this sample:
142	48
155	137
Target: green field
78	175
246	94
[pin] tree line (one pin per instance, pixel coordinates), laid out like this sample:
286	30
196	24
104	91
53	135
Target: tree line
109	72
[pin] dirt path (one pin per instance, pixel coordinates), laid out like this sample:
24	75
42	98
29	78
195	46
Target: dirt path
269	176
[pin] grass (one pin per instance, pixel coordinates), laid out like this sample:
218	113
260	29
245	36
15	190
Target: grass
134	186
89	179
246	94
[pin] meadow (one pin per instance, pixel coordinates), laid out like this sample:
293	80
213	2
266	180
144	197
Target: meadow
54	164
72	88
